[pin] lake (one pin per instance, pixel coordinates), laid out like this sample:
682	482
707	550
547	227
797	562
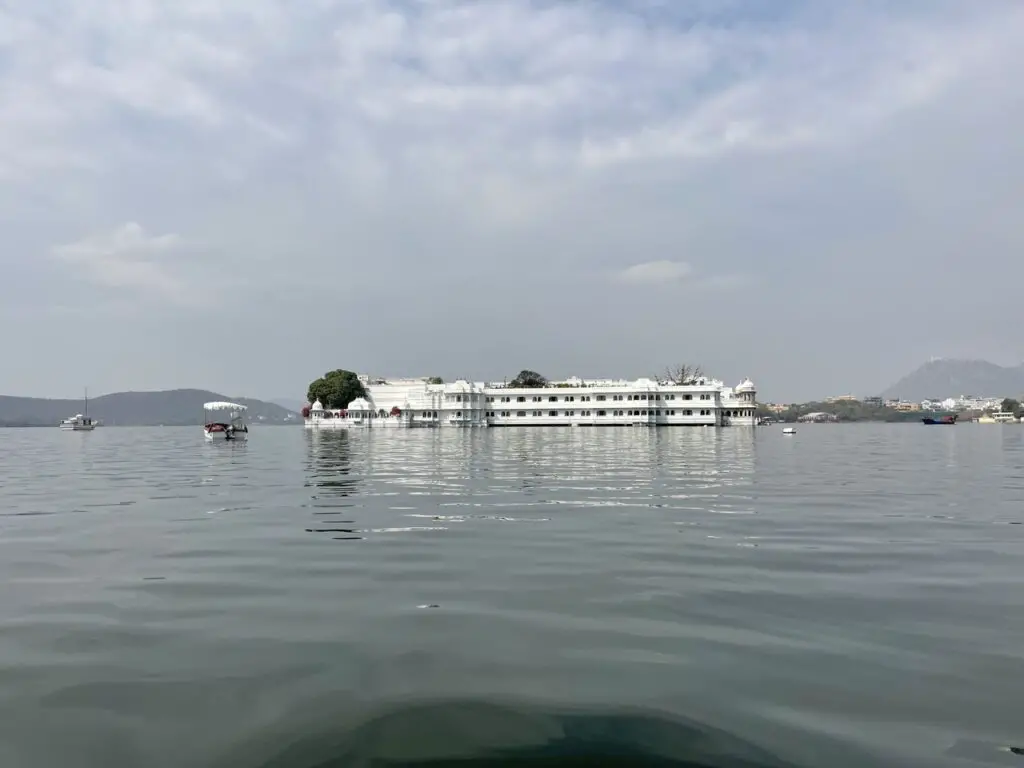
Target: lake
852	595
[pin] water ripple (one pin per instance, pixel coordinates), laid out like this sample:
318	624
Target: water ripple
847	597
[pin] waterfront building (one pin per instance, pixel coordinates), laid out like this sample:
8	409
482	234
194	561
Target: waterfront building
573	402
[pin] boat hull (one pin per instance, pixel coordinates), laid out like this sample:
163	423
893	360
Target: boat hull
947	421
225	437
78	427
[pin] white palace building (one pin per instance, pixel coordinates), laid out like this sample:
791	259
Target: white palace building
574	402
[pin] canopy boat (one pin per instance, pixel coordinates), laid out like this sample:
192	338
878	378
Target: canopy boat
948	420
225	421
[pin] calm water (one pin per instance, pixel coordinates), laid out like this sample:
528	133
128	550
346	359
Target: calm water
850	596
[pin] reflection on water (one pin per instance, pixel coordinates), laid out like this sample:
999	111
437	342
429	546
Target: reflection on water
434	477
330	477
329	463
846	598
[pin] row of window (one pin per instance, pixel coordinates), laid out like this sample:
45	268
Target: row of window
574	414
587	398
571	414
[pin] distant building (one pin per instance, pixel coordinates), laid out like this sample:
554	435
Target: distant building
873	401
970	403
818	416
904	406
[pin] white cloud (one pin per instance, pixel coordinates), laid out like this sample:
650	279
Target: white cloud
500	82
129	259
667	273
657	272
348	155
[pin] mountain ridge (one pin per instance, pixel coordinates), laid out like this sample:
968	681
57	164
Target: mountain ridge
952	377
288	403
171	407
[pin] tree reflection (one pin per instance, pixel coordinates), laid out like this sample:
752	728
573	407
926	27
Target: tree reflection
329	462
329	475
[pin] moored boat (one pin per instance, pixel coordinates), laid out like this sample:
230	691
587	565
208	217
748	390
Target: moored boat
999	417
947	420
79	422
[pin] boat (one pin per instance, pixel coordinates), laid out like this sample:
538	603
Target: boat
789	430
999	417
225	421
645	402
79	422
948	420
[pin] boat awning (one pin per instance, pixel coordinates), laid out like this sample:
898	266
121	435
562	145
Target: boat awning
223	406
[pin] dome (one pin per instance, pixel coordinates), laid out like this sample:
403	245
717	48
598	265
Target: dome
360	404
317	406
745	386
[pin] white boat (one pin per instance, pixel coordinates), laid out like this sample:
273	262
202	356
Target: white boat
999	417
225	421
79	422
789	430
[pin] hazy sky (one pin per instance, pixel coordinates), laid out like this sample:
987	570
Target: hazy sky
241	194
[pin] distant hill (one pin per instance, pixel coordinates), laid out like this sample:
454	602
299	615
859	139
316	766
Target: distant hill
173	407
289	403
950	378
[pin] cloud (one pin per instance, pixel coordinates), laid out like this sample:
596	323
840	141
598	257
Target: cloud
127	259
653	272
429	165
668	273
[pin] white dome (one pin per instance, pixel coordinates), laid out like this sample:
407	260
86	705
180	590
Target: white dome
745	386
360	404
317	406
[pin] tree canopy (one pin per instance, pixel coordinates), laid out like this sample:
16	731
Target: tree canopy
336	389
683	374
435	380
528	379
1011	406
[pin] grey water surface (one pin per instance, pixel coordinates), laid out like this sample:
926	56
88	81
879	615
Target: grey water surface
848	596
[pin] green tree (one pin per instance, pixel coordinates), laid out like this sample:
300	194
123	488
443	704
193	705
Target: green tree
435	380
528	379
336	389
1011	406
